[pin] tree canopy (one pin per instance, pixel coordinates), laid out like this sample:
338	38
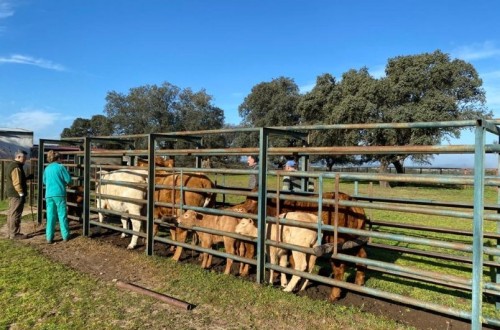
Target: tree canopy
424	87
165	108
98	125
271	103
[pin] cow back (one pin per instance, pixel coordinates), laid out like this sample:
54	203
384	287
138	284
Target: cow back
192	198
348	216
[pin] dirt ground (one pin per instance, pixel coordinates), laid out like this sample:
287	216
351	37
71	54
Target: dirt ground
110	264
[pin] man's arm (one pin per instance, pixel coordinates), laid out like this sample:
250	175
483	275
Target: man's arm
16	181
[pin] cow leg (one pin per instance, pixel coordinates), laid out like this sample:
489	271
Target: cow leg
136	226
301	265
311	263
173	238
241	253
272	260
229	247
249	253
338	274
360	269
101	219
125	226
283	263
209	260
180	236
209	255
206	258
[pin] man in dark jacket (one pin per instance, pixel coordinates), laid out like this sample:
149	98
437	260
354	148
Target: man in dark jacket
16	189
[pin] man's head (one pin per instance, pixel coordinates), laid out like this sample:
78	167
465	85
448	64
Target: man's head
252	160
290	165
21	156
52	156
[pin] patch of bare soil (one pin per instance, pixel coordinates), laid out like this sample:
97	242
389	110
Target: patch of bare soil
114	263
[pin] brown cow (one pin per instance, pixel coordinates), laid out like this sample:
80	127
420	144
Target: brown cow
173	196
74	200
159	161
225	223
350	217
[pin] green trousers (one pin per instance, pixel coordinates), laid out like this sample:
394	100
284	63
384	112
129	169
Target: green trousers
56	208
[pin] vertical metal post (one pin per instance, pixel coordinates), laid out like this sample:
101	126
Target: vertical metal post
150	195
336	216
356	188
2	189
320	208
497	274
477	243
79	159
41	160
198	158
86	186
261	212
303	167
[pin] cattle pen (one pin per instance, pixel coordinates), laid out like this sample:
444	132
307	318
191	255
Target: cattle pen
458	257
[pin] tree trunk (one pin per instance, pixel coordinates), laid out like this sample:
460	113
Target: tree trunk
398	166
329	164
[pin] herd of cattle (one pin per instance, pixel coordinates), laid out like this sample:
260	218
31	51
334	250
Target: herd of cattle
131	186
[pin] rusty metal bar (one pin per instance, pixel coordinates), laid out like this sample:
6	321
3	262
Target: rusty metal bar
162	297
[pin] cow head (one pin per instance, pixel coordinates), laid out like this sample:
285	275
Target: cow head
189	218
246	227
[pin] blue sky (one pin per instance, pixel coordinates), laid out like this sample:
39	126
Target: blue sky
59	58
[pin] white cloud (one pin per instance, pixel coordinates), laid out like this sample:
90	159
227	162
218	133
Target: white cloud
41	122
5	9
478	51
33	120
22	59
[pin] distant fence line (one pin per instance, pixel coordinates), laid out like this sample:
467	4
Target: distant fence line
410	170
